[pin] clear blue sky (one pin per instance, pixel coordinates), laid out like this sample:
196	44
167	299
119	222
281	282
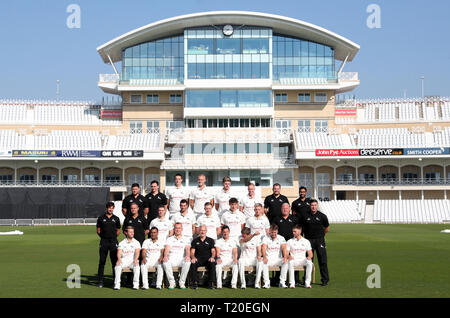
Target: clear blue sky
38	48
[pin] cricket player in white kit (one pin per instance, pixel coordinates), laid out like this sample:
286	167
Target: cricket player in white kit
186	219
128	256
209	220
250	253
163	224
258	223
247	202
177	254
274	253
234	219
223	197
199	196
152	256
298	246
176	194
227	255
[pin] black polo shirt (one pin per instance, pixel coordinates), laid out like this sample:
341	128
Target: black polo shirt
285	226
300	207
274	205
108	226
314	225
139	224
202	248
153	202
139	200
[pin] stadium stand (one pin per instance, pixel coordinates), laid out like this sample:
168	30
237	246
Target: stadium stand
323	140
412	211
348	211
40	112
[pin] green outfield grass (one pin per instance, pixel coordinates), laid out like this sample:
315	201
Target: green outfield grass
414	261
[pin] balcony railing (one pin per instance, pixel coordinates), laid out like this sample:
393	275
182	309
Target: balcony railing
214	135
348	76
62	183
108	78
384	182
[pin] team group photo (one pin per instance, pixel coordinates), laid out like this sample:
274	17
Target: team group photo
189	230
242	155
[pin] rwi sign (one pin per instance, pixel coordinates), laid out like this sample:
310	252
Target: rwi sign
70	153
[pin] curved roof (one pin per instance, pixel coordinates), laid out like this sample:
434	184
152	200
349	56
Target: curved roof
279	24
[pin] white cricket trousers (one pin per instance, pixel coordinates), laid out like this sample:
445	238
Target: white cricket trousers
234	272
118	271
246	262
176	262
303	262
264	269
159	272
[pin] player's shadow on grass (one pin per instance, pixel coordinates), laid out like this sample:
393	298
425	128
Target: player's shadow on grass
92	280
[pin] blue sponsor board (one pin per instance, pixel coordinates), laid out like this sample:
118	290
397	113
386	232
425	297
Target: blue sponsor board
426	151
57	153
79	153
35	153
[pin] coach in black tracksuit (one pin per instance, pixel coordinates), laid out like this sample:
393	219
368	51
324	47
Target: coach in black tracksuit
108	228
301	206
315	225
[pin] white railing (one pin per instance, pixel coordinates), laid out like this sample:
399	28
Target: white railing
221	135
348	76
108	78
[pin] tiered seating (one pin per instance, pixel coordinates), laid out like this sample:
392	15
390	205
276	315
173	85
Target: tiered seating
445	108
135	141
442	138
12	113
68	139
390	137
323	140
37	112
386	112
408	111
370	112
343	211
10	140
412	211
48	114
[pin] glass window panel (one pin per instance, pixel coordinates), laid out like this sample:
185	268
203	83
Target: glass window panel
220	67
256	70
209	70
201	70
296	48
280	47
228	46
228	70
264	70
288	48
304	48
128	52
236	70
144	50
228	98
204	98
200	46
159	49
312	49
